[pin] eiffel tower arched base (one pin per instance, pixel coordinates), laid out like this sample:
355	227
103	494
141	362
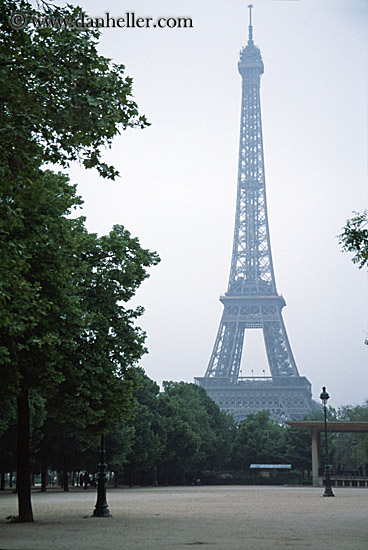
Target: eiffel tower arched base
286	398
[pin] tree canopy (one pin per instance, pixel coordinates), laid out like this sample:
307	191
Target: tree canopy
64	326
61	100
354	238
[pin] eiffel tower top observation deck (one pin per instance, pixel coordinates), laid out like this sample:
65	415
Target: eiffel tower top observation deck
251	300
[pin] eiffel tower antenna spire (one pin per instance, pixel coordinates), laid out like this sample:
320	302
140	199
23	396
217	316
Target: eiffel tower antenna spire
250	28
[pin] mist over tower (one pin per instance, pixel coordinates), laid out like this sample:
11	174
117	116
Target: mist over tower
251	300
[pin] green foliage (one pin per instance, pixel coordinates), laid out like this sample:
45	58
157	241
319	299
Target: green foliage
359	413
181	433
8	412
34	299
64	326
258	440
8	435
118	445
66	446
183	440
351	449
147	434
217	434
97	380
298	445
61	101
77	339
198	434
354	238
146	446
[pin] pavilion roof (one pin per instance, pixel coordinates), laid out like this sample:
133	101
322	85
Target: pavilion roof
332	426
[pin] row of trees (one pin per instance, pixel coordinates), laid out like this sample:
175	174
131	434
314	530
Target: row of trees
67	338
178	434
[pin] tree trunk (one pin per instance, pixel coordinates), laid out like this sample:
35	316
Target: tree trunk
65	480
23	468
2	483
116	484
154	481
131	477
10	480
143	479
44	475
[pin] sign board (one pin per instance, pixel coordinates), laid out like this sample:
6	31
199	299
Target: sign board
271	466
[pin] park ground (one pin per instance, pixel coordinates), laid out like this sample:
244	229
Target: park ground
223	518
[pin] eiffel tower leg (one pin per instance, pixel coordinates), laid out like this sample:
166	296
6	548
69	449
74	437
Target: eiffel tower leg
280	356
227	351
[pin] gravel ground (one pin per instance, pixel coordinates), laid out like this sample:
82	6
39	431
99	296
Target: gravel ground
222	518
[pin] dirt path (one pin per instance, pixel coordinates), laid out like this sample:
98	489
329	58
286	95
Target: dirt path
223	518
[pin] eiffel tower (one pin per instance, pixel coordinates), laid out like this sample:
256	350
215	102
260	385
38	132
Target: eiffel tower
251	300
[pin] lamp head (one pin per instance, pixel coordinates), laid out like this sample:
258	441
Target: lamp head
324	397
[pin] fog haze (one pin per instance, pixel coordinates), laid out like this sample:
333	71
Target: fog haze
177	192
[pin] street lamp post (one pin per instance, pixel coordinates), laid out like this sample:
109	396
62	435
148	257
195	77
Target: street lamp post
101	509
328	491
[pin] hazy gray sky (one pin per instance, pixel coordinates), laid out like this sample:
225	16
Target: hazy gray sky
178	187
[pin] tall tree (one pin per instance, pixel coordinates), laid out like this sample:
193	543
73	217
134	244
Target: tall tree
258	439
35	320
149	437
97	360
82	339
197	433
60	101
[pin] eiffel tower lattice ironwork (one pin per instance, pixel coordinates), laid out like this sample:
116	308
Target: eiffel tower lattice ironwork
251	300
